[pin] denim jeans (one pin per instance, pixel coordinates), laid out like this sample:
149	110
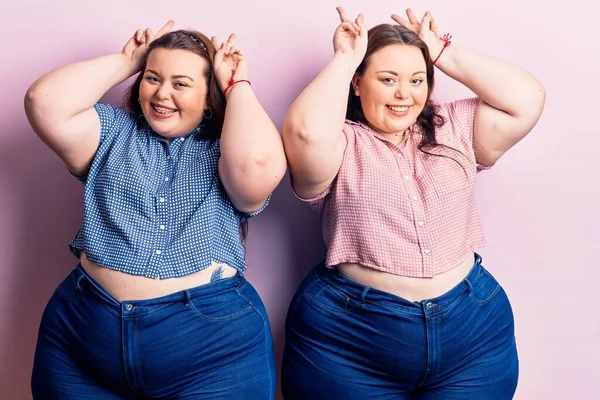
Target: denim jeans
347	341
210	342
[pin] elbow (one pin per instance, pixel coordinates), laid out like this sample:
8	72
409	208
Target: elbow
296	131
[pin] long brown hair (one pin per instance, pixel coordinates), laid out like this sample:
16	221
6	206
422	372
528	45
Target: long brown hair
384	35
198	44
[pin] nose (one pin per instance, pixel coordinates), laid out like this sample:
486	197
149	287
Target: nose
163	92
402	92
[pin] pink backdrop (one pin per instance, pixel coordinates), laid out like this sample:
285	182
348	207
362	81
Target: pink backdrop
539	205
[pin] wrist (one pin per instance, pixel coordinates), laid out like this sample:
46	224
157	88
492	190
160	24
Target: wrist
129	66
347	61
444	54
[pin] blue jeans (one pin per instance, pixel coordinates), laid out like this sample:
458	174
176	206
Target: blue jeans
347	341
209	342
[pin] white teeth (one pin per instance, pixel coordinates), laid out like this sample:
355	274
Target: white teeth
163	110
398	109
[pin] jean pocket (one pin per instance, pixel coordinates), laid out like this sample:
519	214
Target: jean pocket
332	299
225	306
485	289
68	287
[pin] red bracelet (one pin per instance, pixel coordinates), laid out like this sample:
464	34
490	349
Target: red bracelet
232	82
446	38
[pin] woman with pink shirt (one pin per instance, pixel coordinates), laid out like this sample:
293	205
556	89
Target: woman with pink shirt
402	308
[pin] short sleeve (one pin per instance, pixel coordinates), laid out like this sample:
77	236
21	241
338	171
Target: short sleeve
317	202
458	129
247	215
113	120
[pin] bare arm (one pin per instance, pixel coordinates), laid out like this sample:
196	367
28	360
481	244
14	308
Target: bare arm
511	103
59	105
511	99
312	130
252	159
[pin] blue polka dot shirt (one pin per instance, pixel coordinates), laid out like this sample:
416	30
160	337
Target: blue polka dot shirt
154	208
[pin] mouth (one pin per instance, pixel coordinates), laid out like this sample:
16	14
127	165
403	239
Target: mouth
399	109
163	110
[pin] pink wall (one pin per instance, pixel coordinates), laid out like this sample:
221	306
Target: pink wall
539	205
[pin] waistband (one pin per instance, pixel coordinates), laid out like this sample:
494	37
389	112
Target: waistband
209	290
363	294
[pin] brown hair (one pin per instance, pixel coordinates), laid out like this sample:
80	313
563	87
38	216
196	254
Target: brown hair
384	35
198	44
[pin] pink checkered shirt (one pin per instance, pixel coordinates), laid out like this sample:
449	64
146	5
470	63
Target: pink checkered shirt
399	210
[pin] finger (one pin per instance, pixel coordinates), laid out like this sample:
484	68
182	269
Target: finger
148	36
166	28
356	27
434	27
426	23
233	50
411	16
231	38
348	27
215	42
342	13
360	21
401	21
138	35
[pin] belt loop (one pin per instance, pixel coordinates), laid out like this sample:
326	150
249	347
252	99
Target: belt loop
363	295
78	283
469	286
187	298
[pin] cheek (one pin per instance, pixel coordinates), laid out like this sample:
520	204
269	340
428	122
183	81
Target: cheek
145	91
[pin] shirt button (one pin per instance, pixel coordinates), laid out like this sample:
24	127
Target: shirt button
182	139
426	251
162	200
421	223
158	252
167	179
407	177
162	227
168	157
414	198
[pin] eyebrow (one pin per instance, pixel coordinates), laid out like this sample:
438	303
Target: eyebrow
396	74
174	76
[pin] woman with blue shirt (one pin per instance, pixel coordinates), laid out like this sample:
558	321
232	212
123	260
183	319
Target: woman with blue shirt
158	307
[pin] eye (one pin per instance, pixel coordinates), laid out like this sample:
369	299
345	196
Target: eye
151	79
181	85
417	81
388	81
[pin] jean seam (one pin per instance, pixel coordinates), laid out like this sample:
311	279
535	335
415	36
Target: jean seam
319	303
250	305
487	299
199	314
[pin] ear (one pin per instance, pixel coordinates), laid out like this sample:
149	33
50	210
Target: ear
356	85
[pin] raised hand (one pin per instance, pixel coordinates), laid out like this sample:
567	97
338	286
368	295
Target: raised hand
426	28
228	58
136	47
350	37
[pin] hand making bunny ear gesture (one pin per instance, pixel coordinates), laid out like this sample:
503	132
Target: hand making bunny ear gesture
136	47
229	63
350	37
427	29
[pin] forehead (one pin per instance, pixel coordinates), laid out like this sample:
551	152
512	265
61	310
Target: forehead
176	62
397	57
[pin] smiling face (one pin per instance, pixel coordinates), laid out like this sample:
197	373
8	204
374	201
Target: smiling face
173	91
393	88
